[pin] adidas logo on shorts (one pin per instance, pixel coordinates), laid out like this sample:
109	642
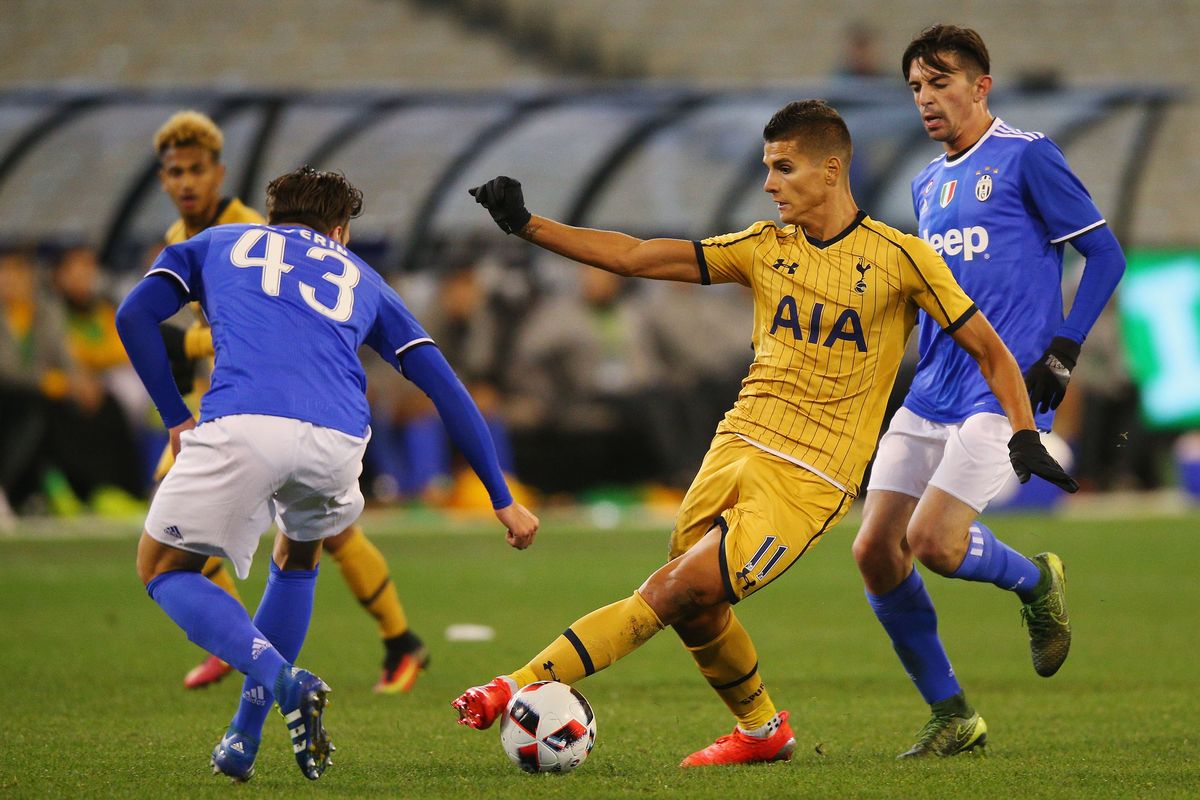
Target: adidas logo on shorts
173	530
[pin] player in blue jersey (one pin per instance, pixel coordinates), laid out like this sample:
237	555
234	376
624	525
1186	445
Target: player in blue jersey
281	436
999	204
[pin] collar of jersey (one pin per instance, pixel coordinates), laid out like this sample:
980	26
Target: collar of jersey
823	244
996	123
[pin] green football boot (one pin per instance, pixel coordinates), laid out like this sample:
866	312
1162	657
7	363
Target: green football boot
1047	619
949	735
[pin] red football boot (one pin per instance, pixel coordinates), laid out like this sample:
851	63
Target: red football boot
208	671
739	748
402	676
480	706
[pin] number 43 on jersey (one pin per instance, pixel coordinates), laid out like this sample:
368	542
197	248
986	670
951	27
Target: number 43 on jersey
273	266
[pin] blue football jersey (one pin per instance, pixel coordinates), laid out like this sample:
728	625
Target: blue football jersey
999	214
289	309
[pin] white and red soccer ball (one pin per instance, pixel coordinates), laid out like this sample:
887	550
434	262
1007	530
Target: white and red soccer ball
548	727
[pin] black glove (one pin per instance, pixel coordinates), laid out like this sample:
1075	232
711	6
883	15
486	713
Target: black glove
1047	379
183	369
1029	457
503	199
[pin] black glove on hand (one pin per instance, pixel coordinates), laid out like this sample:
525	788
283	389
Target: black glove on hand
503	199
1047	379
1029	457
183	369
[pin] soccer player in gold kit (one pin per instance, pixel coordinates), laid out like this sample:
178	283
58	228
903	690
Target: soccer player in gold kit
189	150
836	295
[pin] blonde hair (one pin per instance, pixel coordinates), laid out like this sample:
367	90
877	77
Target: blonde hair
189	128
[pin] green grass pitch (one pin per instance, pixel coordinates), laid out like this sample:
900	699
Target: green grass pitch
93	703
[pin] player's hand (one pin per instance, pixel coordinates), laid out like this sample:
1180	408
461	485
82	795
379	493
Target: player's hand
521	524
503	199
186	425
1047	379
1029	457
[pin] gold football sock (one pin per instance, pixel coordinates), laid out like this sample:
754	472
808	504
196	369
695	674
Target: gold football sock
730	665
593	642
366	573
214	570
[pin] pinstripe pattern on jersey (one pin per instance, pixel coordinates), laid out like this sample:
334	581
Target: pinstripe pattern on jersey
818	398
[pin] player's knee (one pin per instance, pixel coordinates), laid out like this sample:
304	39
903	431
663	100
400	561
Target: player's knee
677	598
295	555
704	626
930	545
874	550
145	572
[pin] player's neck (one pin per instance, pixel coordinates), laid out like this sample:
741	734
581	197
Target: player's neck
829	219
971	133
195	223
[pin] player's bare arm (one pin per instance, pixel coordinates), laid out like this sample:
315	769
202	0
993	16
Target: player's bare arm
619	253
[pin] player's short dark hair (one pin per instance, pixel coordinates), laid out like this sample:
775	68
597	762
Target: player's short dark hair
319	199
936	42
816	127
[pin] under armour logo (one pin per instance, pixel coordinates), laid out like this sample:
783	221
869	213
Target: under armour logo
791	268
748	583
549	667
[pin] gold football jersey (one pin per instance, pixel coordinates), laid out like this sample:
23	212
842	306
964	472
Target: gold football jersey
831	320
229	211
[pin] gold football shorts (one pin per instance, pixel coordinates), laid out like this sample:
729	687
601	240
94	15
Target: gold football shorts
769	512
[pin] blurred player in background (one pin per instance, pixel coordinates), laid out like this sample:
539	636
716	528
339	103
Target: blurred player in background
189	149
281	435
836	294
998	205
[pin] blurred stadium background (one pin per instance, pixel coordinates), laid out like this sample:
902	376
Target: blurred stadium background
639	115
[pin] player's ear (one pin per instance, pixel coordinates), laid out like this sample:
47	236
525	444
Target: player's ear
983	85
341	233
833	170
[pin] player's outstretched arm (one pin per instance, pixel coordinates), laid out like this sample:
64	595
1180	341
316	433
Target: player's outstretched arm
426	367
662	259
1003	376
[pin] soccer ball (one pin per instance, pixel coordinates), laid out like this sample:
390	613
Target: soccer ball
548	727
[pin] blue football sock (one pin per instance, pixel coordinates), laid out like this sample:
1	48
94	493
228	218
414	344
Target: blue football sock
907	614
216	622
283	615
989	560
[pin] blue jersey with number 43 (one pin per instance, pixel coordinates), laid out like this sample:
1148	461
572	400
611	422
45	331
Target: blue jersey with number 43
289	309
999	214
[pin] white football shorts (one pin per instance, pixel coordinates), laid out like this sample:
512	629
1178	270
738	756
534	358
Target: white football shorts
237	473
967	460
